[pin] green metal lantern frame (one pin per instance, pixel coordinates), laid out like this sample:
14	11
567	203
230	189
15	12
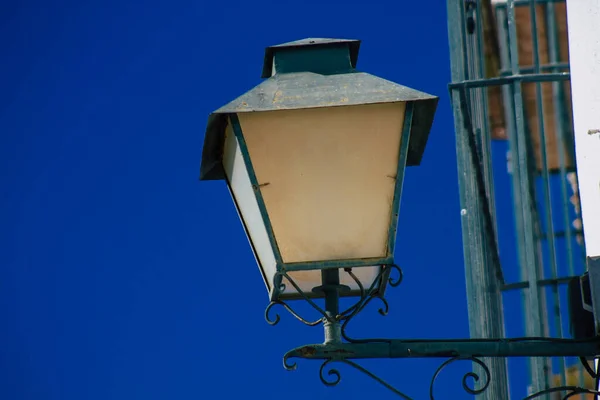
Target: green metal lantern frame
307	71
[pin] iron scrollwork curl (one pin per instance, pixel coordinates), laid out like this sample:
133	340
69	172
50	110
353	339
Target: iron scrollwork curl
472	375
275	321
283	274
383	311
394	282
286	363
367	296
332	377
361	290
331	371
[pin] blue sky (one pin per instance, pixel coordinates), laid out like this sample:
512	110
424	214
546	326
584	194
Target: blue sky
124	277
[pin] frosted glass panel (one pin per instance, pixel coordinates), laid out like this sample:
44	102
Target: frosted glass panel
241	189
327	176
307	280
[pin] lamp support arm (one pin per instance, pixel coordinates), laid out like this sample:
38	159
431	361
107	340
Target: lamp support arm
338	347
473	350
427	348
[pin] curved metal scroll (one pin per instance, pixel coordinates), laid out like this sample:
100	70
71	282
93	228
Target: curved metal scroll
369	295
325	373
466	376
275	321
365	297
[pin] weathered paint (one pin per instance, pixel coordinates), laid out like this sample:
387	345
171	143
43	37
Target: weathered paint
257	192
298	90
402	155
326	264
428	348
480	262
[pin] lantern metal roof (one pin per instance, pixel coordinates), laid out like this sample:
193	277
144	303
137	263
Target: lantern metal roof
327	78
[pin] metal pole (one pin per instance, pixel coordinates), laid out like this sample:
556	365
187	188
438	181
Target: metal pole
514	169
562	133
331	287
483	288
534	324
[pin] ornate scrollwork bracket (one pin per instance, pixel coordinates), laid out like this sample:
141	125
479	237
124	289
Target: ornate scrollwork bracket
343	349
343	356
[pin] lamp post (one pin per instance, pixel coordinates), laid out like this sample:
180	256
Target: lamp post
314	158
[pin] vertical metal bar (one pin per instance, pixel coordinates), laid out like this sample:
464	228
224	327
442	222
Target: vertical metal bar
331	281
561	126
561	130
538	366
331	277
485	317
533	171
479	69
514	166
593	267
517	170
546	181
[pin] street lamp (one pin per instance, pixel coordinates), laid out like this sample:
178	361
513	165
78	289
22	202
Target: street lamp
314	158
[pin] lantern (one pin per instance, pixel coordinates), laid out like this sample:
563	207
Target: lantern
314	158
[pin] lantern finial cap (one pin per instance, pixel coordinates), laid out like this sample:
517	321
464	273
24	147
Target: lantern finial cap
350	45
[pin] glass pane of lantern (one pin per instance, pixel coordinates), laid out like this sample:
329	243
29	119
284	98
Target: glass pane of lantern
327	176
245	199
307	280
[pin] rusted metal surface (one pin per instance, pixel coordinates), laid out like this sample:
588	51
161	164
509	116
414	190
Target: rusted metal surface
492	68
309	90
526	58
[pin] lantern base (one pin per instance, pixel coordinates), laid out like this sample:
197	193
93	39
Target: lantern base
333	330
